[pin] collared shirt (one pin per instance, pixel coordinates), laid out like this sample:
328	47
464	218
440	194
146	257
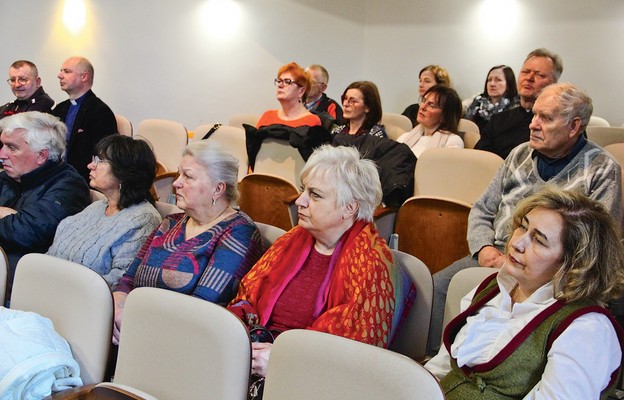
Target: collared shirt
548	167
70	118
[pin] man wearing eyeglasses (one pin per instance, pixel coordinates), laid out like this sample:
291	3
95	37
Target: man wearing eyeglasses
25	84
37	188
317	101
87	117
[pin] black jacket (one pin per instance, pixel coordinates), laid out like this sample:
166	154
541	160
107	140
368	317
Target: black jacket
39	101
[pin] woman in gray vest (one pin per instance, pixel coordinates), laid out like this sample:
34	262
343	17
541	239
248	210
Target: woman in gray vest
539	328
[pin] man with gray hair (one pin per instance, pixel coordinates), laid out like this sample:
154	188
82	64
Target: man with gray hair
557	153
25	84
88	118
509	128
37	188
317	101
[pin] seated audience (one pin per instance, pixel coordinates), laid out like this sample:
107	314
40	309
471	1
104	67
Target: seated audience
206	250
438	118
317	100
499	94
331	273
25	84
510	128
362	110
37	188
292	122
538	328
429	76
107	235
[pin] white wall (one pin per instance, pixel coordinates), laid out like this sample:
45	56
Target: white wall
154	59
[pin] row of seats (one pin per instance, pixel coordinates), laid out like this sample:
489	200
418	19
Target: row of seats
203	351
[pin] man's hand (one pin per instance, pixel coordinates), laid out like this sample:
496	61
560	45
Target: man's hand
4	211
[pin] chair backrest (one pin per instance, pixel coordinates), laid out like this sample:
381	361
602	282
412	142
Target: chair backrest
466	125
176	346
113	391
597	121
277	157
231	137
166	208
238	120
461	174
605	135
95	195
265	198
394	131
76	299
4	275
269	233
462	283
433	229
168	138
163	186
398	120
411	338
124	126
307	365
470	139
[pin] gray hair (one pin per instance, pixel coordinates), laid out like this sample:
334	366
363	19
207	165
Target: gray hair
220	164
41	131
572	102
356	179
556	60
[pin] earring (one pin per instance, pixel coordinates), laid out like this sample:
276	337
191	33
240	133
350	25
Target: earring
214	201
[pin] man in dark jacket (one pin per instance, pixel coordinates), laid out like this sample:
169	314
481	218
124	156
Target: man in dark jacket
88	118
37	188
25	84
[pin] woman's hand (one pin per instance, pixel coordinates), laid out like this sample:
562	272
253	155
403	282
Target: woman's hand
119	299
491	257
260	353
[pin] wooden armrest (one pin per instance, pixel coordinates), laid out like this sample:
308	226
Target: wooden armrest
160	168
382	210
77	393
291	200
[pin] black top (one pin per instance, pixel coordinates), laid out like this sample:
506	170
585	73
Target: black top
505	131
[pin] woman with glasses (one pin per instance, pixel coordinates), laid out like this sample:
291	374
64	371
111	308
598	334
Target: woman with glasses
438	118
107	234
361	110
429	76
499	94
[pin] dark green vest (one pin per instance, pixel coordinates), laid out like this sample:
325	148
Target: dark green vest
519	366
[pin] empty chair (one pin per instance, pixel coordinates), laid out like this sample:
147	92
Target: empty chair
269	233
233	138
306	364
166	208
279	158
238	120
175	346
411	338
78	302
266	198
461	174
597	121
124	126
434	230
605	135
168	138
462	283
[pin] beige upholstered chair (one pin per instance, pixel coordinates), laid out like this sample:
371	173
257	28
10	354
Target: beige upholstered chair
605	135
462	283
470	139
238	120
175	346
267	199
76	299
269	233
308	365
168	139
466	125
398	120
598	121
165	209
231	137
95	195
163	189
411	338
279	158
124	126
461	174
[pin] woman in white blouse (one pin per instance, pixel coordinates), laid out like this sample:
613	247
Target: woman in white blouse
539	328
438	117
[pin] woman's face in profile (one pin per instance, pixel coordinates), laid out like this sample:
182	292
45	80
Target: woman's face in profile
318	210
194	187
429	113
287	91
496	84
425	81
535	250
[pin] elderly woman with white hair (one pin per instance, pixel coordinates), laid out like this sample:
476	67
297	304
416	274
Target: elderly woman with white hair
320	274
209	240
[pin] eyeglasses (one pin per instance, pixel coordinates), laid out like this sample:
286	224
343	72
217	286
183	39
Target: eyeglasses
318	83
95	160
20	80
285	82
351	101
429	104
